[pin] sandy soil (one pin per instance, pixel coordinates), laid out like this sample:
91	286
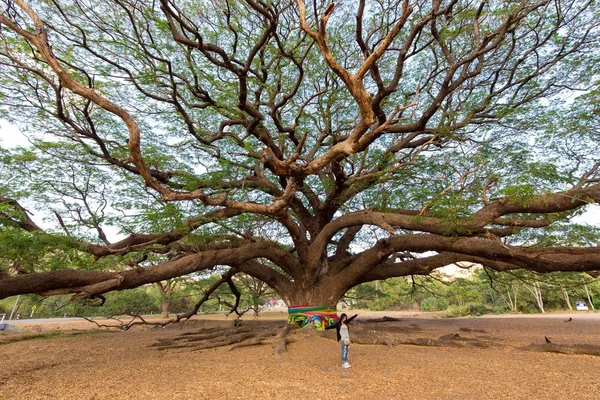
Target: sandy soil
490	360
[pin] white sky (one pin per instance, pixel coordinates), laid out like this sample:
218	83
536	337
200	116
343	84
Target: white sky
11	136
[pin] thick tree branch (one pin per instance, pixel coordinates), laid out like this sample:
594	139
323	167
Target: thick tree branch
88	283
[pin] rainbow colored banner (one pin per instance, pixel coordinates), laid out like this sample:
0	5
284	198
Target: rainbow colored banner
317	316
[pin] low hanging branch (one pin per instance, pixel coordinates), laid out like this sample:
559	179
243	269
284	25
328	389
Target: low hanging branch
139	320
238	296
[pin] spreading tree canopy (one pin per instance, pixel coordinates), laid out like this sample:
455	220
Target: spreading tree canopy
312	145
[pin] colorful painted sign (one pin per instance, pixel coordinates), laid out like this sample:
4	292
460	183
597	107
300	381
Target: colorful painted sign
318	316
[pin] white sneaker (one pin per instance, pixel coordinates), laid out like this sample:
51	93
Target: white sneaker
346	365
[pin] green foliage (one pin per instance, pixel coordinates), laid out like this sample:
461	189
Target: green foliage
37	251
134	301
434	304
483	292
5	307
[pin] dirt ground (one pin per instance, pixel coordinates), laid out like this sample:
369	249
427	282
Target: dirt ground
498	357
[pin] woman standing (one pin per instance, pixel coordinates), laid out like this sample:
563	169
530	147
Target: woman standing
343	336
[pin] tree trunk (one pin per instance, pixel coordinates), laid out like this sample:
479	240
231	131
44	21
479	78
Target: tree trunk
566	297
536	291
255	305
165	308
315	306
318	295
166	290
590	302
511	298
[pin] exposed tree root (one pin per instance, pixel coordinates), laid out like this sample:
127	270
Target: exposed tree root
201	342
588	349
258	334
282	339
383	319
215	335
463	329
253	342
383	326
261	334
250	334
272	333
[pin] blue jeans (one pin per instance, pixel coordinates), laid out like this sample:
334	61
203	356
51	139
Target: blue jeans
344	351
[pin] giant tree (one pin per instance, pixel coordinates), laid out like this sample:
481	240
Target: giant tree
311	145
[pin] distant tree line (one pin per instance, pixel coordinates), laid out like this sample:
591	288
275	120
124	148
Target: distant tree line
484	291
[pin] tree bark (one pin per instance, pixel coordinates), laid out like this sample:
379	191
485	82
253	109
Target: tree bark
536	291
591	303
510	298
567	298
165	305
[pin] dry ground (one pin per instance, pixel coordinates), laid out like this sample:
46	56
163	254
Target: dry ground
466	358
